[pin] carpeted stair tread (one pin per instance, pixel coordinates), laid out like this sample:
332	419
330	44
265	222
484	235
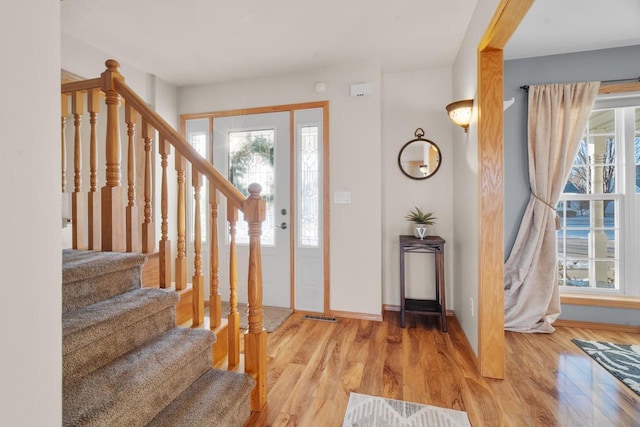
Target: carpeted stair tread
218	398
79	265
137	386
91	323
125	363
89	277
100	333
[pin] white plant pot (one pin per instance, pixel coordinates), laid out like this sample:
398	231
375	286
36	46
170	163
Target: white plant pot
420	231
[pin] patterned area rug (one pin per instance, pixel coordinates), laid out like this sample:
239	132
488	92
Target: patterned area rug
622	361
372	411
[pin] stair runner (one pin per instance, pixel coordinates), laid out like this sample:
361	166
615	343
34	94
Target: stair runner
125	362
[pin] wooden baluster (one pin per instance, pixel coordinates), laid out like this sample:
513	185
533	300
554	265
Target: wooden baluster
198	277
93	202
255	340
234	316
165	243
148	229
133	238
78	205
215	301
64	112
113	194
181	258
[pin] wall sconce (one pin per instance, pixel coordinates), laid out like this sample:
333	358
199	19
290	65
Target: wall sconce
460	113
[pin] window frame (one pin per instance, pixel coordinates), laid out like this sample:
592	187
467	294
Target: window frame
627	211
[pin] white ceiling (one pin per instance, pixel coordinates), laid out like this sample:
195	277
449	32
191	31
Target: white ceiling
196	41
561	26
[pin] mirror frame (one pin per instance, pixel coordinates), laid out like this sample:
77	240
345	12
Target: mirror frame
419	133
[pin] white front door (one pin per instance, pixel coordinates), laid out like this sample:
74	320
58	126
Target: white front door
256	148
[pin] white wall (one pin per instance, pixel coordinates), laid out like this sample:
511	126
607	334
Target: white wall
355	162
31	356
88	62
412	100
165	102
465	178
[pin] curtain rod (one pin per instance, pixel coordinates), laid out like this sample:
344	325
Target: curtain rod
633	79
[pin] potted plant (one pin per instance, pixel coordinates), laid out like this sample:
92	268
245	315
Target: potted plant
420	221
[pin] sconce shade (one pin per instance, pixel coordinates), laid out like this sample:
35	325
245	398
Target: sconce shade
460	112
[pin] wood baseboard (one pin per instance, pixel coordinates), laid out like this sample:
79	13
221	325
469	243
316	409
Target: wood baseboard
184	309
353	315
220	348
598	326
151	271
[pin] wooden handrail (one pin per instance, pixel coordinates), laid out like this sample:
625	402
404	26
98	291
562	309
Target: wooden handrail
167	132
181	145
82	85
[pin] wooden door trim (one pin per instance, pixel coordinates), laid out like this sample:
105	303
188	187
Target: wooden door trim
257	110
326	207
491	346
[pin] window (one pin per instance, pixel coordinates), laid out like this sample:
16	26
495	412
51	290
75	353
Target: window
309	199
251	159
598	210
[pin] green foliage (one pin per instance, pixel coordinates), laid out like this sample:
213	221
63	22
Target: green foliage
419	217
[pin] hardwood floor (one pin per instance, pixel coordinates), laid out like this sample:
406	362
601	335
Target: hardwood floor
313	366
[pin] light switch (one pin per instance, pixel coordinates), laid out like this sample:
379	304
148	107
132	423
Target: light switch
342	197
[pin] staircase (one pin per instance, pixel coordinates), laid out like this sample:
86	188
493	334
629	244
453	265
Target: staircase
124	360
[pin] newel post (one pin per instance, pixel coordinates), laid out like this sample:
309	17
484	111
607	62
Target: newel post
113	194
255	339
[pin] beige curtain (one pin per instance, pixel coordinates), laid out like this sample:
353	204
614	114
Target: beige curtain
558	115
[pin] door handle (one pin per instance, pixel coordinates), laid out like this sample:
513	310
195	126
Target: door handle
282	226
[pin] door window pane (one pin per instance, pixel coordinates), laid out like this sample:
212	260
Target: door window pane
251	160
309	198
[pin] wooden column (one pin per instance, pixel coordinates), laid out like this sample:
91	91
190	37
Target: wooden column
93	200
255	339
64	112
491	341
490	255
215	301
113	194
234	316
133	238
148	229
78	205
181	258
198	277
165	243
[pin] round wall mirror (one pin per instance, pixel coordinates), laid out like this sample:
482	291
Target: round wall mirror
419	158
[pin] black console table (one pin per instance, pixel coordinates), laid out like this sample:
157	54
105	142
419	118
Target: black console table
436	307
